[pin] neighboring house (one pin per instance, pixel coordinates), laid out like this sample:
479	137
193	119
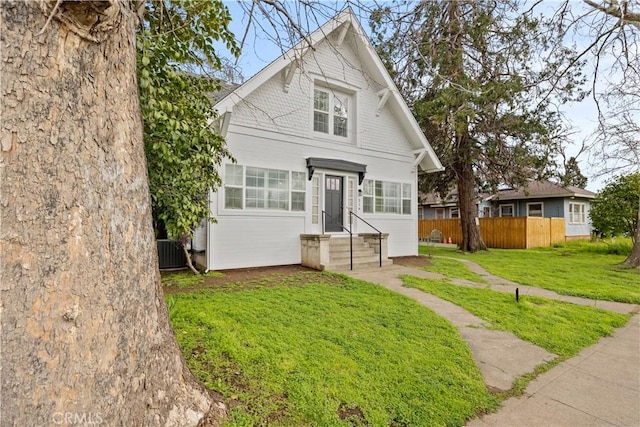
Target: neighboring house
433	206
320	129
549	200
543	199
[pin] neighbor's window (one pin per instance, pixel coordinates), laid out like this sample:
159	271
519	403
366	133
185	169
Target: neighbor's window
454	213
535	209
439	213
506	210
577	213
331	112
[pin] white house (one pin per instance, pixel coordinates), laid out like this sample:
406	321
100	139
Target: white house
319	132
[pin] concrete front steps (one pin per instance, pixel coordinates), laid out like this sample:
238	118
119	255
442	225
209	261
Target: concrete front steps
365	254
331	252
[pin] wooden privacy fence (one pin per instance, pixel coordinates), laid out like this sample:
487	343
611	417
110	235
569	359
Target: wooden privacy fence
505	232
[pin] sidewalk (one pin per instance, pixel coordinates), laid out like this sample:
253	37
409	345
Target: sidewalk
598	387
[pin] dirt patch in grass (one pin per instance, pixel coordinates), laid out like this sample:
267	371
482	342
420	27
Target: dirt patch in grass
354	413
412	261
245	278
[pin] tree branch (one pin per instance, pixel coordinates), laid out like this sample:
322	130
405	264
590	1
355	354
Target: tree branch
616	11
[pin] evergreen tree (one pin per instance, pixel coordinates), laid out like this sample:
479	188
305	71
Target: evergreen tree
479	76
573	175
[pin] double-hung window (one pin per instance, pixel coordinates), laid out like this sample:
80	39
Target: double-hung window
386	197
233	187
367	196
331	112
267	188
298	185
577	214
261	188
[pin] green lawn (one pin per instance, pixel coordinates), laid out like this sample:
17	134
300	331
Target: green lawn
335	352
186	279
559	327
453	269
576	268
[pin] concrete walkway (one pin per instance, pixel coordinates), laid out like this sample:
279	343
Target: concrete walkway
500	284
600	386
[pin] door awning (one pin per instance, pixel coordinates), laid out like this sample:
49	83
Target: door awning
314	163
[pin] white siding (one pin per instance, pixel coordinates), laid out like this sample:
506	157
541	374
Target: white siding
272	128
577	229
269	108
261	241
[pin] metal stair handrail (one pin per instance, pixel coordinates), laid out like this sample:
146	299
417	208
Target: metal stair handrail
324	215
352	214
349	230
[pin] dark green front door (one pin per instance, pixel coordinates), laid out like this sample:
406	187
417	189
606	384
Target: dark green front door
333	203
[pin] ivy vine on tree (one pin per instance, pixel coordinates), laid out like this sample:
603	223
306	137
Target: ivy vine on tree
176	56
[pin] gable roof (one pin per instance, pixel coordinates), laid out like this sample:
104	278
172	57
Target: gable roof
425	156
542	189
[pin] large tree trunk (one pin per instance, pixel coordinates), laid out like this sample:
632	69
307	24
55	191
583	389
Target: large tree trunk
85	331
462	162
471	238
633	259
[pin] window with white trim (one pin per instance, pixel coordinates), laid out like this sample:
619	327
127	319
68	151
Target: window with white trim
367	196
298	186
233	187
454	213
406	199
388	197
535	209
267	189
383	197
261	188
440	213
331	112
506	210
351	183
577	213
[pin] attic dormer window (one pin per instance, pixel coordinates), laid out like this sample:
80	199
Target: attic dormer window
331	112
